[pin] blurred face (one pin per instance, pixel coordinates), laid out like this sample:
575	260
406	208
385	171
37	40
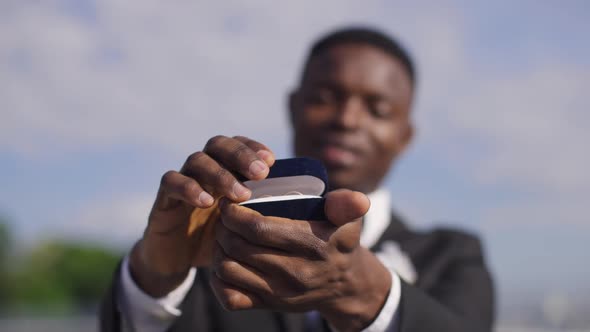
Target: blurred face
352	113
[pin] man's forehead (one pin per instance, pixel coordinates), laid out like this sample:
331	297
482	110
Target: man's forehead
359	63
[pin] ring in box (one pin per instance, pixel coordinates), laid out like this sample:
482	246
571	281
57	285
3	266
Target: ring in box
294	188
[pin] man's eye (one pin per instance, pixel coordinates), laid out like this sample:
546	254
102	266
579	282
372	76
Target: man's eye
380	108
322	97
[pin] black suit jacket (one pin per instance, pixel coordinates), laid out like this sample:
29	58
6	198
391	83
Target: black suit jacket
453	291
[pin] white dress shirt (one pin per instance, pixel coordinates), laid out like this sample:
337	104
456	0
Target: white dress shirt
141	312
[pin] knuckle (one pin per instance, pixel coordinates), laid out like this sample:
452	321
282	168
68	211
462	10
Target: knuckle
301	278
214	141
195	158
240	150
252	144
167	178
232	302
306	274
188	188
259	228
317	249
225	269
321	254
241	138
222	175
342	264
348	244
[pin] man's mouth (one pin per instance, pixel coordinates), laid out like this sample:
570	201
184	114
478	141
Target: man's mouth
338	155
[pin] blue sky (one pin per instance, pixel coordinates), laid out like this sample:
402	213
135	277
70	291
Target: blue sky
100	98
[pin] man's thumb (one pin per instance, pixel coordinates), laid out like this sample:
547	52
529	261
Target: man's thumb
343	206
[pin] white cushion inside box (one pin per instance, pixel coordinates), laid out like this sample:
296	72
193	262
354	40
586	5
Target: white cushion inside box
297	185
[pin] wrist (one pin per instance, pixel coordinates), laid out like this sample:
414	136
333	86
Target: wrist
151	278
364	297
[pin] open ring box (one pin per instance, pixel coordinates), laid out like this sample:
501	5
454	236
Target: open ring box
294	189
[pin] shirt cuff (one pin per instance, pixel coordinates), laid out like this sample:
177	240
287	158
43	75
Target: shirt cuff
386	318
139	308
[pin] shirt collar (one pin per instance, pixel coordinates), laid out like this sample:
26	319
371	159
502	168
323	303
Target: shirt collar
377	218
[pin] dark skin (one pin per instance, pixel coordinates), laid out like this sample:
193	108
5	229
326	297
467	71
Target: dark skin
352	112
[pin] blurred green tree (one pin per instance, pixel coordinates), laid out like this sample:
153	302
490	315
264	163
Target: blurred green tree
59	277
5	245
54	277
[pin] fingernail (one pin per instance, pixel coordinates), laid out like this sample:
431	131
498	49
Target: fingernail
257	167
240	191
205	198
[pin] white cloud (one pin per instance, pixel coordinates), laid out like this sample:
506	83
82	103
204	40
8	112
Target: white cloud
534	126
153	74
150	73
524	134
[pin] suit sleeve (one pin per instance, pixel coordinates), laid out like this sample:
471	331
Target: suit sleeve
109	316
461	299
137	311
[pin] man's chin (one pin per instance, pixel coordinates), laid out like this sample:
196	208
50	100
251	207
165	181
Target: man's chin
342	178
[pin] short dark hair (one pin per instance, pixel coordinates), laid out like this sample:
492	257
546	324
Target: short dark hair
368	36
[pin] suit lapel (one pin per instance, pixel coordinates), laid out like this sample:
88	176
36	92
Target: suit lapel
395	231
393	251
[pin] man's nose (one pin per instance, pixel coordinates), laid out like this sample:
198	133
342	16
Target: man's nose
350	113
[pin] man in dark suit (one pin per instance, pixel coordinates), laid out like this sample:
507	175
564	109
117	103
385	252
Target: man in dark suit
362	270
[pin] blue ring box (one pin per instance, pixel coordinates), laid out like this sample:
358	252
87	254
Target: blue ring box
294	189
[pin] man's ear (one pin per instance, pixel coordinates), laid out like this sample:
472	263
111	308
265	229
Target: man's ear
293	105
408	135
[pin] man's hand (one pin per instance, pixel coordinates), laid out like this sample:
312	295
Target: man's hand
296	265
171	244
